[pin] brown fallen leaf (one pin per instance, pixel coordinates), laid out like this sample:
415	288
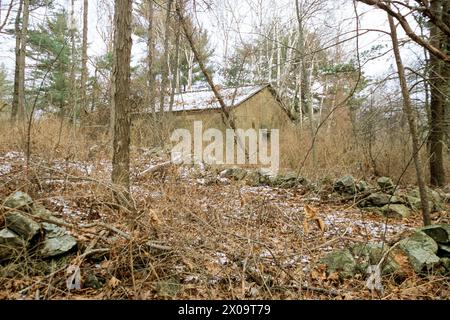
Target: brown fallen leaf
321	224
305	226
113	282
310	213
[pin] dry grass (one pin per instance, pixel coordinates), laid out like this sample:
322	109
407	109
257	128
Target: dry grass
228	241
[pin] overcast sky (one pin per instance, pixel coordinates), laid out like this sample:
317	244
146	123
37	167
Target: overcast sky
240	19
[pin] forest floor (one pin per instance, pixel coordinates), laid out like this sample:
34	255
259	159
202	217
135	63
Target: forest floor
213	241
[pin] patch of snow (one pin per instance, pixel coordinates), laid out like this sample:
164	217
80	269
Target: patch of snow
222	258
191	279
5	169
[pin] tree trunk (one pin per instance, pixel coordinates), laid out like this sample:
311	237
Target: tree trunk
15	102
84	57
72	85
175	63
438	85
150	55
23	45
407	108
121	91
165	62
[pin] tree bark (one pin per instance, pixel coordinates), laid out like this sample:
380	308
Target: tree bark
121	91
72	85
84	57
15	101
165	62
176	66
150	55
21	65
408	110
438	87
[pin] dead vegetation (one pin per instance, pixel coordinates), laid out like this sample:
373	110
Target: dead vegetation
188	240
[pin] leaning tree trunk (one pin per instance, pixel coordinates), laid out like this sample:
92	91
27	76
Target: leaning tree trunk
121	90
407	107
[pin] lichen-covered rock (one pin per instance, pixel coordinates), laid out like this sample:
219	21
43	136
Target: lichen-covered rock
288	180
435	200
19	200
444	250
92	281
253	178
362	186
341	262
446	263
370	254
421	251
385	183
367	254
41	212
396	211
439	233
345	185
56	242
234	174
11	244
379	200
24	226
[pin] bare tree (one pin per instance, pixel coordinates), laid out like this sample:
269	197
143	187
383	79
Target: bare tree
437	46
408	110
165	61
15	102
84	56
120	105
151	53
21	30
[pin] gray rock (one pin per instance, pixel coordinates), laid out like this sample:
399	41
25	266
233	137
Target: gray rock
415	203
19	200
444	250
288	180
379	200
345	185
447	197
56	242
385	183
11	244
370	254
421	251
435	200
41	212
253	178
341	262
235	174
439	233
396	211
362	186
92	281
446	263
24	226
367	254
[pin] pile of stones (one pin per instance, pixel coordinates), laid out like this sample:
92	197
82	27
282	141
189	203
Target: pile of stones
24	235
426	250
384	199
